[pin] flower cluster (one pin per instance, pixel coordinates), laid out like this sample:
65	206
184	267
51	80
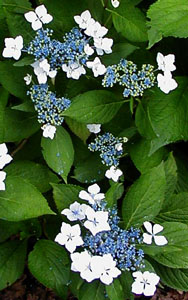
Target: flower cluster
47	105
110	148
5	159
126	74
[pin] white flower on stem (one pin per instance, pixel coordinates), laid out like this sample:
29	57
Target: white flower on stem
94	128
95	30
93	195
28	79
88	50
97	221
42	70
166	63
39	17
74	70
115	3
5	158
82	262
145	283
166	83
13	47
113	173
69	237
107	268
2	178
48	131
96	66
75	212
152	230
119	146
83	20
103	45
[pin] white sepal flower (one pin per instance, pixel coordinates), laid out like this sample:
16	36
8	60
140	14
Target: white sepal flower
39	17
166	63
94	128
107	268
152	230
75	212
97	67
42	70
13	47
97	221
115	3
145	283
95	30
28	79
69	237
74	70
113	173
119	146
48	131
82	262
83	20
166	83
93	195
2	178
5	158
103	45
88	50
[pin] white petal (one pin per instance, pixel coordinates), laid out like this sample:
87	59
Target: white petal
60	239
157	228
16	55
37	24
19	42
2	175
30	16
160	240
42	78
41	11
147	238
137	287
94	189
46	19
149	290
151	277
84	195
2	186
106	279
3	149
148	226
70	246
115	3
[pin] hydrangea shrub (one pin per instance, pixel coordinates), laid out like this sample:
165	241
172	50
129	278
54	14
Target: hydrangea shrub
93	125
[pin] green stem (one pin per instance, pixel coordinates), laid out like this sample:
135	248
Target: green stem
14	5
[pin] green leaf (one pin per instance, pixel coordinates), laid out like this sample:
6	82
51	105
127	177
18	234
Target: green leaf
145	162
38	175
52	268
21	201
171	176
65	194
182	183
130	22
126	280
12	80
94	107
59	152
175	14
26	61
115	290
174	278
114	193
16	6
78	129
154	37
145	197
12	261
94	290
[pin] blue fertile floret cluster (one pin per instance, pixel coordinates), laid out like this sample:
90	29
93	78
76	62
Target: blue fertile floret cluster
47	105
121	244
126	74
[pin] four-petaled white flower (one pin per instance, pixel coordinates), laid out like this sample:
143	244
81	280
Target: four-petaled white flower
42	70
13	47
69	236
145	283
4	157
166	83
103	45
82	262
166	63
113	173
75	212
39	17
97	221
95	128
93	195
115	3
107	268
95	30
73	70
159	240
83	20
48	131
28	79
2	178
88	50
96	66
